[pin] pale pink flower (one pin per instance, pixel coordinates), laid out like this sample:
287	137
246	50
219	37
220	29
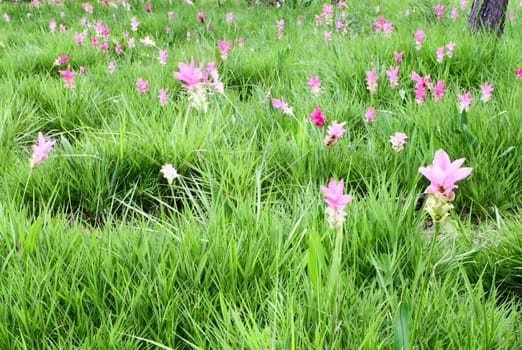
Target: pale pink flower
88	7
464	101
104	45
450	47
240	41
224	46
6	17
188	2
40	150
463	4
163	97
201	17
298	20
327	36
62	28
318	19
341	4
327	10
117	48
518	72
81	69
440	54
443	174
142	85
68	77
167	29
339	26
398	140
148	41
392	74
383	25
454	13
419	37
511	16
169	173
78	37
229	17
486	91
398	56
317	117
370	114
111	67
438	90
162	57
371	80
439	10
336	201
170	15
335	131
131	43
281	25
134	24
315	85
282	105
52	25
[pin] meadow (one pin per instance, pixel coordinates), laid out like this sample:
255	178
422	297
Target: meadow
195	175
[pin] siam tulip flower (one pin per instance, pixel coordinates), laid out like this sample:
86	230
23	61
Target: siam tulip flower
298	20
439	11
341	4
191	75
142	85
40	150
188	2
420	86
419	37
163	97
111	67
443	174
454	13
335	200
134	24
464	101
162	57
188	36
201	17
518	73
167	29
282	105
240	41
371	81
78	37
335	131
170	15
6	17
317	117
147	7
450	46
61	60
370	114
327	10
463	4
94	42
131	43
68	77
62	28
327	36
229	17
383	25
438	90
392	74
398	56
377	9
339	26
511	16
81	69
224	46
486	91
88	7
398	140
148	41
104	45
440	54
169	173
281	25
52	25
315	85
318	19
216	84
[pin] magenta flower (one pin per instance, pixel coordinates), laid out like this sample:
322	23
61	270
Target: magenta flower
392	76
383	25
398	140
52	25
464	101
282	105
486	91
147	7
370	114
163	97
439	11
327	10
518	73
142	85
68	77
162	57
191	75
371	81
134	24
61	60
317	117
420	86
438	90
224	46
398	56
335	200
335	131
281	25
315	85
229	17
41	150
419	37
170	15
454	13
201	17
78	37
443	174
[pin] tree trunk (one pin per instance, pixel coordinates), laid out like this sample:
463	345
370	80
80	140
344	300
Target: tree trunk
490	16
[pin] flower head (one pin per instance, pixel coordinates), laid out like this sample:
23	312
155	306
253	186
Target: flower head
419	37
41	150
335	131
317	117
315	85
486	91
392	75
169	173
370	114
191	75
518	73
464	101
224	46
398	140
142	85
371	81
282	105
335	200
68	77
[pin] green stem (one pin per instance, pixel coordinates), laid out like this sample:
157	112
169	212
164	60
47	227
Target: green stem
335	270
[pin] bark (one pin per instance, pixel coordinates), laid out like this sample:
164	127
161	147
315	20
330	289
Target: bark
489	16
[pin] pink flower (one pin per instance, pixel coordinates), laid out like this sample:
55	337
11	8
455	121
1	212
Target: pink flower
370	114
450	46
62	28
142	85
315	85
392	75
335	200
162	57
398	140
191	75
341	4
339	26
41	150
131	43
111	67
420	86
52	25
318	19
78	37
169	173
443	174
454	13
134	24
327	36
463	4
335	131
6	17
398	56
81	69
518	73
464	101
371	81
439	10
147	7
511	16
281	25
224	46
440	54
486	90
229	17
317	117
201	17
163	97
170	15
298	20
61	60
117	48
327	10
419	37
383	24
282	105
68	77
438	90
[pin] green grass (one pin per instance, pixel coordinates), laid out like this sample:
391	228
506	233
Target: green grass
100	252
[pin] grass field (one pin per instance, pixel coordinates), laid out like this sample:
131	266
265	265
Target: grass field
243	250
